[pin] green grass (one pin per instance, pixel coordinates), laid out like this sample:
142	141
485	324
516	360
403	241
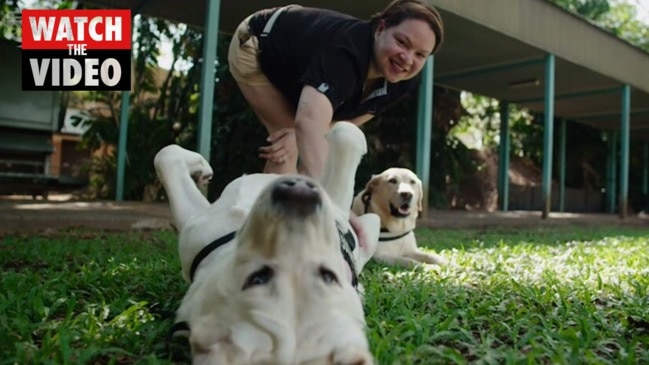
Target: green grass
554	296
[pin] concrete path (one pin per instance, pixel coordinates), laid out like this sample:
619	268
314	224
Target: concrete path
36	215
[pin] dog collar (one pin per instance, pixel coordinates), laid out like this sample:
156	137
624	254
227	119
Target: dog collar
202	254
386	238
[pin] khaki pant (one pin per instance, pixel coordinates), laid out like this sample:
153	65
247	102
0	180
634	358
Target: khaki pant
243	57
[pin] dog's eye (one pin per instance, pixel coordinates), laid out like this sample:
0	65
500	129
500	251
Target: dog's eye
412	182
393	180
259	277
328	276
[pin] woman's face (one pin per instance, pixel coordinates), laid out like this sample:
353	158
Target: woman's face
401	51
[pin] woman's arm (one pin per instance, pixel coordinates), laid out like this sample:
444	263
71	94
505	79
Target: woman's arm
312	121
362	119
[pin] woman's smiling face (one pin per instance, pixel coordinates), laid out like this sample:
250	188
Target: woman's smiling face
401	51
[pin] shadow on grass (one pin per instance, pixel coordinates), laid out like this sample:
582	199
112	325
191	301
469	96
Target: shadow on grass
456	316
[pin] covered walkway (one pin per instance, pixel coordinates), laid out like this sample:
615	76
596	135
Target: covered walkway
531	53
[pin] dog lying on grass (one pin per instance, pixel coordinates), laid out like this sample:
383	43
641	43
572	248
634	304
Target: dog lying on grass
272	264
396	196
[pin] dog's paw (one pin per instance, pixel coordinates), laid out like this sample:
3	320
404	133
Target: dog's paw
201	174
351	356
173	156
199	169
437	260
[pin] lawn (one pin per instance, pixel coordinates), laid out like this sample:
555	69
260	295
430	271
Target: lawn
560	296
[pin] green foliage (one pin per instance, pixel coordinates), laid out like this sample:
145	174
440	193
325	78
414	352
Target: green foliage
560	295
619	18
237	134
589	9
622	20
527	137
10	27
162	111
479	127
391	139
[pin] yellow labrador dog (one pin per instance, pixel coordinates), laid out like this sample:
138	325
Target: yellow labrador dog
272	263
396	196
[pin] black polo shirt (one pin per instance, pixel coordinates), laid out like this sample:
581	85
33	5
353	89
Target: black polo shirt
327	50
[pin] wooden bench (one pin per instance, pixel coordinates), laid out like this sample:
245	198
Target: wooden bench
24	163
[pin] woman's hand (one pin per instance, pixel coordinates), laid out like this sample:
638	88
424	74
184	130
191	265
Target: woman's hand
307	139
282	146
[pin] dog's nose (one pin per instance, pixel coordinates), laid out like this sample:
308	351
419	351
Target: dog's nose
406	195
297	194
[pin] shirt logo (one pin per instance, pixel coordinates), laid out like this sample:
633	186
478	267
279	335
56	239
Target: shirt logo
323	87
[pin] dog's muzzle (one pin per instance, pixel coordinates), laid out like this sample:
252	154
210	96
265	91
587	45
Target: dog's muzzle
402	211
296	195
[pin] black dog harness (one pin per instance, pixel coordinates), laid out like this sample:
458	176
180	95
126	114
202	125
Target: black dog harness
347	246
181	327
202	254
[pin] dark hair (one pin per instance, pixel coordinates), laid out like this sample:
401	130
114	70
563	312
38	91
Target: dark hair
399	10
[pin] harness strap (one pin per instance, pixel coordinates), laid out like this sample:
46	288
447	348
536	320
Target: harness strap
178	328
202	254
347	245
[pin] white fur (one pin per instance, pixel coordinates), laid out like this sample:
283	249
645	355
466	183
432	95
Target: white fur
299	315
396	187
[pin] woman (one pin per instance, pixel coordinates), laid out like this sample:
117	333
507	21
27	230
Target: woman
303	68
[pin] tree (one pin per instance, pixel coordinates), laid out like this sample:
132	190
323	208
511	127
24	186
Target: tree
619	18
163	110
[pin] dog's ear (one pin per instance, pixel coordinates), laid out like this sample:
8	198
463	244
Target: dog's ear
374	181
420	188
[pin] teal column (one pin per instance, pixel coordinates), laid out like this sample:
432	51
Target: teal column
548	127
503	160
424	129
611	172
624	150
645	171
208	68
121	145
562	166
123	134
